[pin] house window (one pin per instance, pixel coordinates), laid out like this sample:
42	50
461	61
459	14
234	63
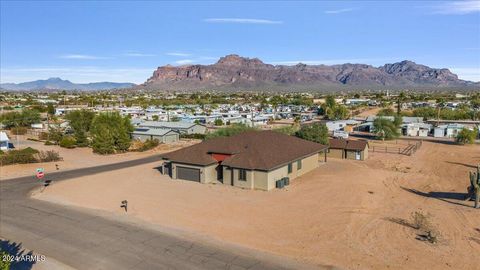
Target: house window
290	168
299	164
242	175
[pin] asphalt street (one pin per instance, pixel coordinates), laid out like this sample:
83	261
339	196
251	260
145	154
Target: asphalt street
85	239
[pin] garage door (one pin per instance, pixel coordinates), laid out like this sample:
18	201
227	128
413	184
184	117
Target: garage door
188	173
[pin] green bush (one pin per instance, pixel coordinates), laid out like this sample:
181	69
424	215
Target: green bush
68	142
315	132
193	136
466	136
49	156
23	156
28	155
4	264
49	143
149	144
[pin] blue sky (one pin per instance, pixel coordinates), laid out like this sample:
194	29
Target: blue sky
126	40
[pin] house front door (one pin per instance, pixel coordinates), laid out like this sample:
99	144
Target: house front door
219	170
357	155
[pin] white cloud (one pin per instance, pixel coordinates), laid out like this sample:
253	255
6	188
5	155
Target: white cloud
137	54
457	7
82	57
81	74
184	61
178	54
241	20
469	74
337	11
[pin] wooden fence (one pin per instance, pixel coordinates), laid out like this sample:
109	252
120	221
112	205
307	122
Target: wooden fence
407	150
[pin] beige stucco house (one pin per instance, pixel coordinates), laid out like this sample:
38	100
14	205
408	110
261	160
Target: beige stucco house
253	160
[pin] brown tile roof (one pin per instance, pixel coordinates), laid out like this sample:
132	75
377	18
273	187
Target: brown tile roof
357	145
259	150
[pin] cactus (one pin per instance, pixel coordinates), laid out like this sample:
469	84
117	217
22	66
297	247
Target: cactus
475	186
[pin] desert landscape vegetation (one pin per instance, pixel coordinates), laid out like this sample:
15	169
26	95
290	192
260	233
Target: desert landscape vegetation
369	215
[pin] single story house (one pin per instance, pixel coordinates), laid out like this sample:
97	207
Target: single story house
163	135
253	160
4	141
180	127
348	149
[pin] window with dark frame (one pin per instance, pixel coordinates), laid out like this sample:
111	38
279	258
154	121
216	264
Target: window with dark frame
242	175
299	164
290	169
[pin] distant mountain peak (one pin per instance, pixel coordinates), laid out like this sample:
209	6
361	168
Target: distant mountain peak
56	83
233	72
236	60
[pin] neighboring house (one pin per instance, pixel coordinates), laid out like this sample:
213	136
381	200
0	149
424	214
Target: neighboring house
253	159
345	125
4	141
348	149
416	129
180	127
163	135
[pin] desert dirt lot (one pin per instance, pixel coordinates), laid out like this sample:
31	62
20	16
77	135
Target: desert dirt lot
76	158
349	214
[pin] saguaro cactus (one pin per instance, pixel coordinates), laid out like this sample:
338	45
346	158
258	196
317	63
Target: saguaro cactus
475	186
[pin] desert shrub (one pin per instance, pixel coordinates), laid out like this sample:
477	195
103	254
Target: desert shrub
4	264
288	130
466	136
48	156
421	222
43	136
28	155
146	145
22	156
49	143
193	136
18	130
1	152
68	142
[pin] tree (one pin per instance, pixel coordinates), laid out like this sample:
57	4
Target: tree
466	136
4	264
386	112
315	132
230	130
155	117
20	119
385	129
50	109
110	133
400	99
218	122
80	122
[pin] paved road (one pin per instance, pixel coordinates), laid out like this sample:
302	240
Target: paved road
87	240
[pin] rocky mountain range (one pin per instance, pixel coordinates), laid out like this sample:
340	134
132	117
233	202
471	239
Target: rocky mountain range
234	72
59	84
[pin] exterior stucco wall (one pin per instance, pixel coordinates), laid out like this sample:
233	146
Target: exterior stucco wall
243	184
169	138
335	153
209	174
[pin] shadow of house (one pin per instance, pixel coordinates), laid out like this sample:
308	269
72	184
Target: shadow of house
15	249
442	196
